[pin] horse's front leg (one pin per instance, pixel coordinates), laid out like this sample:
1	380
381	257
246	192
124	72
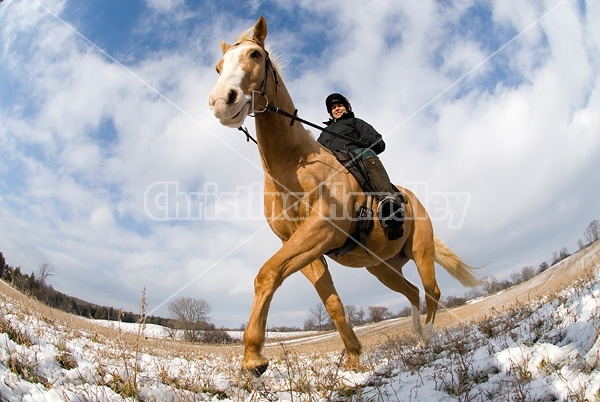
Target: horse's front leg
318	274
308	243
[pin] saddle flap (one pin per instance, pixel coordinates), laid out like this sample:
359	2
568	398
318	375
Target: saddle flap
356	167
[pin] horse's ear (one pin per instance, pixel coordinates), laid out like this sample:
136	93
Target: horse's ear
224	46
260	31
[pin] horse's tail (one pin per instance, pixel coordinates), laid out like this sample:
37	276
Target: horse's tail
454	265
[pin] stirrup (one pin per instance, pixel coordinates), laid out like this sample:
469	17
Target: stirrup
393	210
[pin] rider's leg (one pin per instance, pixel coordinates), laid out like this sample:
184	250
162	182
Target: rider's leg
390	208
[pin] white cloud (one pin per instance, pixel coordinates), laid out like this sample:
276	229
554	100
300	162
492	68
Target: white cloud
164	5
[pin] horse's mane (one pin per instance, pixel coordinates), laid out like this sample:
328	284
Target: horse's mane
248	34
276	59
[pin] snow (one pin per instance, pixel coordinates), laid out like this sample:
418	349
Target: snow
160	332
546	350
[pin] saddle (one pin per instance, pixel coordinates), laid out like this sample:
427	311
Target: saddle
365	212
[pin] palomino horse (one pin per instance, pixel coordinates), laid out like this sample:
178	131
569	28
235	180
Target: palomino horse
302	204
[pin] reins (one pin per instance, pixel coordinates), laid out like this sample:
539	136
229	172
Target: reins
292	116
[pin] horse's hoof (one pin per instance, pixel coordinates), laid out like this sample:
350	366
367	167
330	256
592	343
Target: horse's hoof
256	365
259	370
352	363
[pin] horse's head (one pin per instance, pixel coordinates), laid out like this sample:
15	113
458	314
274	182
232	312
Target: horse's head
241	71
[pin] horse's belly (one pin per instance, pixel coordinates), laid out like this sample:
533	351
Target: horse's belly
355	261
377	250
359	258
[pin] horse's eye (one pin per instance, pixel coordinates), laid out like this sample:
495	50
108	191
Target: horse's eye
256	54
219	66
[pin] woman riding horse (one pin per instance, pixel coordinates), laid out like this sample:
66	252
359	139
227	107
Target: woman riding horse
302	194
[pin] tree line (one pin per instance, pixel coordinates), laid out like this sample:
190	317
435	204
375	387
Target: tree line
35	285
492	285
189	316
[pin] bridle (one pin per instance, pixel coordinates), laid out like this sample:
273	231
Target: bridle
263	89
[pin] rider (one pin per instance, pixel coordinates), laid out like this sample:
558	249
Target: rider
342	121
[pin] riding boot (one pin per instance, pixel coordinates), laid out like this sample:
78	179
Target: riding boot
390	209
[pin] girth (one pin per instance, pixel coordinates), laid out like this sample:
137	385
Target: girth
361	231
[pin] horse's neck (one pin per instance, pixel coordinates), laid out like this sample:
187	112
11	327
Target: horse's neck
282	146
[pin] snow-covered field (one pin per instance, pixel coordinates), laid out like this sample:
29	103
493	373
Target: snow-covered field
160	332
546	350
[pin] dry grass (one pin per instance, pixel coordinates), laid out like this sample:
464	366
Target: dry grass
310	368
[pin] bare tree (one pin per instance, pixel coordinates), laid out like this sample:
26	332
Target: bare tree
490	284
356	315
561	255
191	314
592	232
378	313
516	278
360	315
454	301
45	270
319	319
405	312
2	265
527	273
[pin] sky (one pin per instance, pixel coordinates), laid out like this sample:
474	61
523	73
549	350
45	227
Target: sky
490	112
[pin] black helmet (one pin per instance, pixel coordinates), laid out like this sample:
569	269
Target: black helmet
336	98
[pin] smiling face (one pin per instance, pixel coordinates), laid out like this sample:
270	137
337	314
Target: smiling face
338	110
241	71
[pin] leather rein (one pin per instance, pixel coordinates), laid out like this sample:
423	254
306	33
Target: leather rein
292	116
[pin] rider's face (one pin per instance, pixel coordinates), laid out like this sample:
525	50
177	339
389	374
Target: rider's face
338	110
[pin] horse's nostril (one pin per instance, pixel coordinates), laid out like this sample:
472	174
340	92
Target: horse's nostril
231	97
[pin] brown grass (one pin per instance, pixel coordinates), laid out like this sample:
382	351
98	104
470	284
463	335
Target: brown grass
547	283
310	366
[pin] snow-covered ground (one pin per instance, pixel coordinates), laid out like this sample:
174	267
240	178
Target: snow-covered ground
160	332
546	350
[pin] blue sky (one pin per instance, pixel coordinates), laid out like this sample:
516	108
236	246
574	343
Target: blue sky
103	101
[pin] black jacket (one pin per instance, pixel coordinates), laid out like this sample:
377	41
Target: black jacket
352	127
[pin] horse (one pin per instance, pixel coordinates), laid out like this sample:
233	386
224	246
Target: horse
305	188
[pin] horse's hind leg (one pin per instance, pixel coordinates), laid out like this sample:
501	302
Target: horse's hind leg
318	274
424	259
390	274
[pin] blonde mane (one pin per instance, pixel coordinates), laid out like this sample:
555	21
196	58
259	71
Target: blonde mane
276	60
